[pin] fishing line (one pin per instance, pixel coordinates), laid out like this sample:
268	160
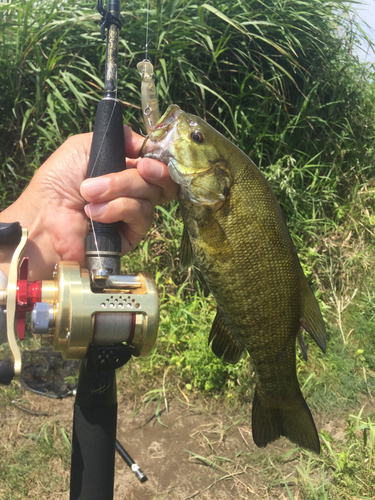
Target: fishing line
94	234
149	96
147	42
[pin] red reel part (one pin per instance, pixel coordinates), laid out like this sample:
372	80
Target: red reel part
28	293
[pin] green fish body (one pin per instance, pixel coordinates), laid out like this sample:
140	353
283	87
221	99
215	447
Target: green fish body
235	233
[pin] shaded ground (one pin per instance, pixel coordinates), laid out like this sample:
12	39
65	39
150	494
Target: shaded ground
199	450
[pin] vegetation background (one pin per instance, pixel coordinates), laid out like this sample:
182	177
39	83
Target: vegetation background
282	80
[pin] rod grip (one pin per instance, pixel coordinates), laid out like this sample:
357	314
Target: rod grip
107	156
108	145
94	435
93	457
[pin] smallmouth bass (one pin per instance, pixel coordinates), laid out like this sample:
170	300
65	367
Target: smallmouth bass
235	232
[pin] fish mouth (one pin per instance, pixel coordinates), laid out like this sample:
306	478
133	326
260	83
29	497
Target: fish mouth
162	136
169	117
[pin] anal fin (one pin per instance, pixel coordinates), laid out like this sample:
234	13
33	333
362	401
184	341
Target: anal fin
301	344
224	344
202	282
311	318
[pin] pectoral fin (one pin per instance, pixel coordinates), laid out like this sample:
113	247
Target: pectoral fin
187	258
311	319
224	344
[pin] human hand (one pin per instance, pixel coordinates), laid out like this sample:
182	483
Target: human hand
53	205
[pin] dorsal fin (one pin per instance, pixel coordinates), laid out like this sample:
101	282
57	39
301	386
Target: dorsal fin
311	317
224	344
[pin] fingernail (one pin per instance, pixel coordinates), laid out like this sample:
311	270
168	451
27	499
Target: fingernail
95	209
153	169
95	186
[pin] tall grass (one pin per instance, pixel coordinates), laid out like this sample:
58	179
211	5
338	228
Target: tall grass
279	78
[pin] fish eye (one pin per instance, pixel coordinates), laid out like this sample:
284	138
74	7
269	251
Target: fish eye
197	136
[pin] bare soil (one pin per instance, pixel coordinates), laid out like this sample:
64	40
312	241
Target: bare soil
190	453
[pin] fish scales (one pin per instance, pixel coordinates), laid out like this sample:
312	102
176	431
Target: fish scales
235	231
266	305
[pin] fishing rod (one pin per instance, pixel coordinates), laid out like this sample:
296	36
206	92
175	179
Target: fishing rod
94	313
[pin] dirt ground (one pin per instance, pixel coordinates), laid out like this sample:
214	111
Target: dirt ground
192	453
194	450
205	453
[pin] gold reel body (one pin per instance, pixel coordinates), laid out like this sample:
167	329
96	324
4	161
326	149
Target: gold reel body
78	316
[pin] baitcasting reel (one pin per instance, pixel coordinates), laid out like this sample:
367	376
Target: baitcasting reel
72	312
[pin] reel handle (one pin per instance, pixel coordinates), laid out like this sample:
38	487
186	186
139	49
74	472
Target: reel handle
6	371
12	233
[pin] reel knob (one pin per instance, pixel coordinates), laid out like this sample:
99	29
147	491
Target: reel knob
42	318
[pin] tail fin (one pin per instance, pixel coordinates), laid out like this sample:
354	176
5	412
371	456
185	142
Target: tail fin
295	423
